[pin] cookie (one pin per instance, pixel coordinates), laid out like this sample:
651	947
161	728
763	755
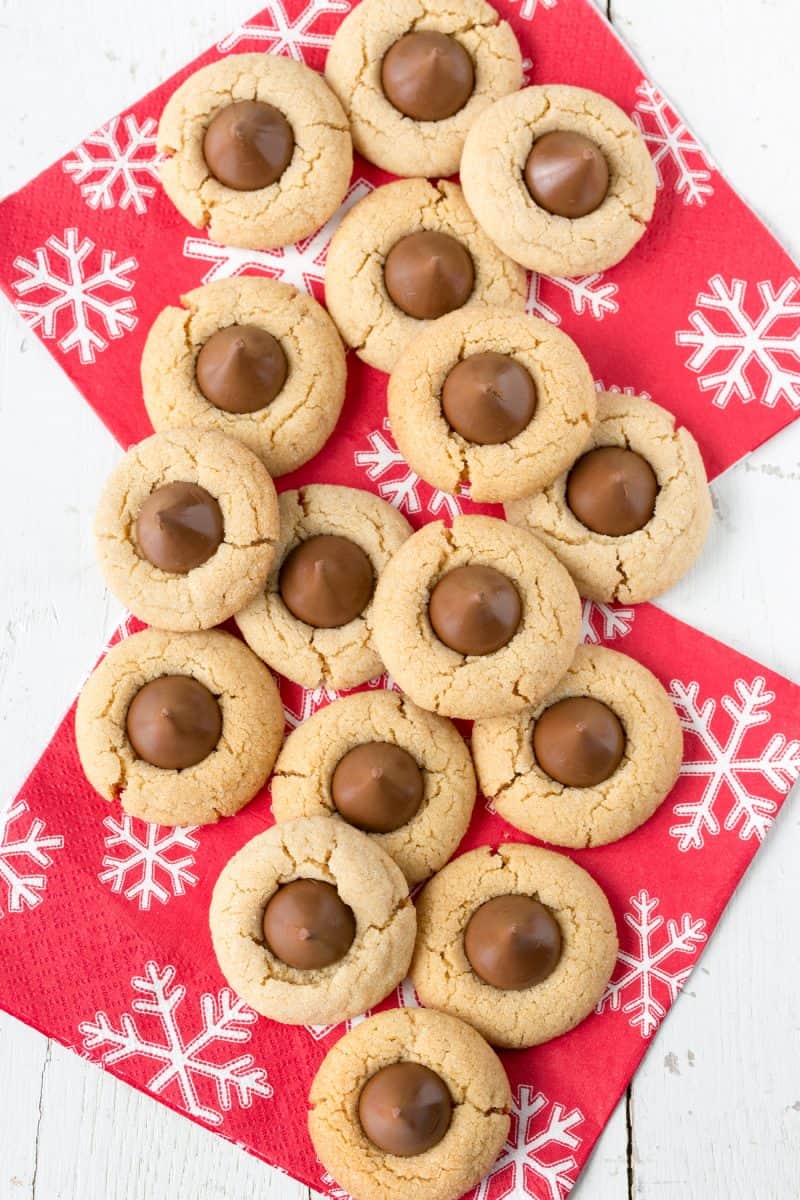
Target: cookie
518	941
378	762
313	620
257	148
186	529
475	620
560	179
251	358
494	398
181	728
591	763
312	922
408	253
631	517
412	78
409	1102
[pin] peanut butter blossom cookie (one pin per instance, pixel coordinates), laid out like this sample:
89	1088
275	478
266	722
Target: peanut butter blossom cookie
257	150
406	254
475	620
312	922
492	397
381	764
409	1102
560	179
186	529
313	620
181	728
413	77
252	358
592	762
631	516
518	941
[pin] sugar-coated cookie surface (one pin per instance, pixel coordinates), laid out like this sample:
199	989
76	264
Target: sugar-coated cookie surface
367	881
302	783
311	187
296	424
640	565
445	979
530	799
381	132
493	177
473	1075
557	432
209	593
235	770
355	287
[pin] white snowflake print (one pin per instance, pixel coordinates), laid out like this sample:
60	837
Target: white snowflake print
725	765
527	8
150	869
155	1030
398	483
310	700
533	1161
24	890
670	141
621	391
284	35
588	294
650	975
752	353
405	995
113	171
603	622
69	290
301	265
331	1187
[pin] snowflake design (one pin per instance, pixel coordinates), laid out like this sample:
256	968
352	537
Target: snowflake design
103	162
24	891
184	1058
532	1162
310	700
286	36
527	8
669	140
766	341
81	297
301	265
399	484
620	391
150	871
588	294
332	1188
405	995
603	622
722	768
650	974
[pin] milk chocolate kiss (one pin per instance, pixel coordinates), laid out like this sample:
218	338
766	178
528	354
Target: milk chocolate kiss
513	942
241	368
405	1109
475	610
307	925
173	722
179	527
612	491
248	145
377	787
428	274
326	581
567	174
579	741
427	76
488	398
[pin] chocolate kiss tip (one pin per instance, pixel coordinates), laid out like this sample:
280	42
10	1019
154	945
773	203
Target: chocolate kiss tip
397	1112
377	772
581	726
166	714
303	934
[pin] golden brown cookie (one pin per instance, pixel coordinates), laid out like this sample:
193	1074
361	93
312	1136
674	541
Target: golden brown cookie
558	931
594	802
255	208
635	566
472	1075
495	164
287	429
259	944
502	598
341	655
425	776
237	765
186	528
356	293
484	64
452	428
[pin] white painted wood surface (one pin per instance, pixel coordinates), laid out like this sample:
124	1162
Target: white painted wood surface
714	1113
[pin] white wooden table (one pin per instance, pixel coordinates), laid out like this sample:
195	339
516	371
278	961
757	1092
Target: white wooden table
714	1113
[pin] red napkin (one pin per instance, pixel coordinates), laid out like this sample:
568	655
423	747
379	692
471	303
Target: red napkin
104	942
